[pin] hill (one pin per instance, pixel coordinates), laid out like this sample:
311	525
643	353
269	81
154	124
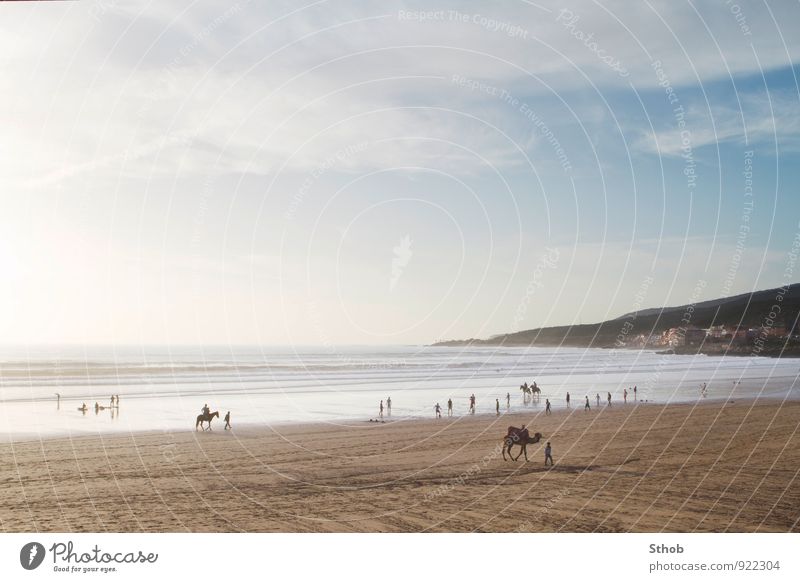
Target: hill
651	326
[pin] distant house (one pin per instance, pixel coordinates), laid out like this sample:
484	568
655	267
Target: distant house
694	336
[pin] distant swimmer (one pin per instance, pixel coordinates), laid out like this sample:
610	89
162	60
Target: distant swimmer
567	399
228	420
438	410
548	454
586	406
547	406
449	407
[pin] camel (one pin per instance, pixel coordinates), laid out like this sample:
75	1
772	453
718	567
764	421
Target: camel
201	418
521	437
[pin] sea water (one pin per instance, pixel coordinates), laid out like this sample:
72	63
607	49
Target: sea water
164	388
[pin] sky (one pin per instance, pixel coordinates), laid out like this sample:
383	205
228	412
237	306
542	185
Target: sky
327	173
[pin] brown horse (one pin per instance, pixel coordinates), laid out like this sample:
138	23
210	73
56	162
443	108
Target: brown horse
521	437
201	418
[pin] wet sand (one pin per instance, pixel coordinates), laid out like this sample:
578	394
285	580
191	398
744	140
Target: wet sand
711	467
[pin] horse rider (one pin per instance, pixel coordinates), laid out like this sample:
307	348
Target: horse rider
205	410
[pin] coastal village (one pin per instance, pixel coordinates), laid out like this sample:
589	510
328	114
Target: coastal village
722	337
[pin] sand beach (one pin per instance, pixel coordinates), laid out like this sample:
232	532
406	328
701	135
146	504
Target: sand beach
714	466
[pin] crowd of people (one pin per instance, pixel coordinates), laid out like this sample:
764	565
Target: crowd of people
528	390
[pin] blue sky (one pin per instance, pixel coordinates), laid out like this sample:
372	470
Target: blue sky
339	173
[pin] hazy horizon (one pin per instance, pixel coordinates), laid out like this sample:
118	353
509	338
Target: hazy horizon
263	174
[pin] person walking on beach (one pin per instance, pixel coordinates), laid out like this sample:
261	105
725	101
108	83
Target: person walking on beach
625	396
380	410
547	406
548	454
598	400
438	410
586	406
228	420
609	398
567	399
472	404
497	405
449	407
389	405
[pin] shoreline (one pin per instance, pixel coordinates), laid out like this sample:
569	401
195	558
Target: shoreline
653	467
357	422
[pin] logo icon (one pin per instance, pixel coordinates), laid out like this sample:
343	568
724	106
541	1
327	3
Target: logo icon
402	255
31	555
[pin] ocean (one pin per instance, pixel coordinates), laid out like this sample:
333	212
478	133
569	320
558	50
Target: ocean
164	388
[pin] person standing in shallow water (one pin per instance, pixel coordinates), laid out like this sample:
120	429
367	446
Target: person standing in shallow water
587	407
389	405
625	396
380	410
438	410
508	399
598	400
228	420
497	405
547	406
634	393
449	407
609	398
567	399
